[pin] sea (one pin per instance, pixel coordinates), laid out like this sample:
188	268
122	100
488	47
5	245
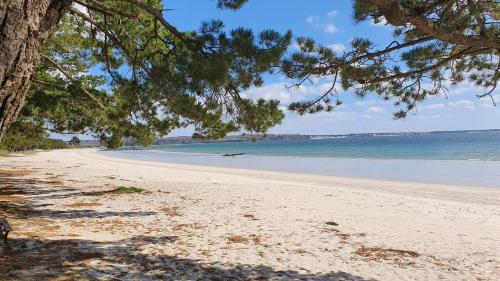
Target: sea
470	158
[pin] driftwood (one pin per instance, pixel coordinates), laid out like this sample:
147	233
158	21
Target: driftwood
232	154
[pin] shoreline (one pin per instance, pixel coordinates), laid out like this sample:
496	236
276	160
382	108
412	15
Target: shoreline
469	173
197	222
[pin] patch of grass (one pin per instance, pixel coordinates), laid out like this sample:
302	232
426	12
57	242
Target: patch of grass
4	153
127	189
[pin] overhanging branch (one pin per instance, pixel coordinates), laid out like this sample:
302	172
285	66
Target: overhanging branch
109	34
72	79
438	64
159	17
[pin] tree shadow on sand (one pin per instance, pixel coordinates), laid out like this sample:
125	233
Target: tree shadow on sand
25	201
75	259
24	197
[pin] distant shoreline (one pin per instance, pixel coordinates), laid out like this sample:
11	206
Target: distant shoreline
260	137
250	137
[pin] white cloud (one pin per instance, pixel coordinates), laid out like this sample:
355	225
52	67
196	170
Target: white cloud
434	106
312	19
486	105
332	13
330	28
335	115
432	116
467	104
463	88
375	109
327	27
496	98
487	102
287	95
364	102
283	108
337	47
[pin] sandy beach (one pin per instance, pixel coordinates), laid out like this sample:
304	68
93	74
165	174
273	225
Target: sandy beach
208	223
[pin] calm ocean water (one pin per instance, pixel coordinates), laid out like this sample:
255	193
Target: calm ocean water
480	145
470	158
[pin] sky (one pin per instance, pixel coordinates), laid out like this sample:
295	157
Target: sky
330	22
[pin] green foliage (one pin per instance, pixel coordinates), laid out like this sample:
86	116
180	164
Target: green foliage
28	135
118	69
230	4
436	44
151	78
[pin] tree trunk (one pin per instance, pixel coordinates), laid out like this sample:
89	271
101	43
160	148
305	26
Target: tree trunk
24	27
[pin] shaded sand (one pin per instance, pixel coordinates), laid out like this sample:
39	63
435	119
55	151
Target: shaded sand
202	223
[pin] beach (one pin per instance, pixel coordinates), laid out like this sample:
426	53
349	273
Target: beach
218	223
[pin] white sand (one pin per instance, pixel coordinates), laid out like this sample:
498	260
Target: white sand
197	223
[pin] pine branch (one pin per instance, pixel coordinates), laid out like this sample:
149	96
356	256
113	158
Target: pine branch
72	79
467	51
45	83
397	15
159	17
495	83
390	49
109	34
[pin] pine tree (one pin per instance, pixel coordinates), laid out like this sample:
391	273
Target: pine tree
436	43
119	69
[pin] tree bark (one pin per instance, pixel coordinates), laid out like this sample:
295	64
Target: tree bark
24	27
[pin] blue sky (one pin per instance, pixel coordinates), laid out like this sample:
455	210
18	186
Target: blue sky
330	23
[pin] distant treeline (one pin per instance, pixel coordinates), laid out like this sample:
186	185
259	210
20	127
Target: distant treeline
260	137
21	143
23	136
233	138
